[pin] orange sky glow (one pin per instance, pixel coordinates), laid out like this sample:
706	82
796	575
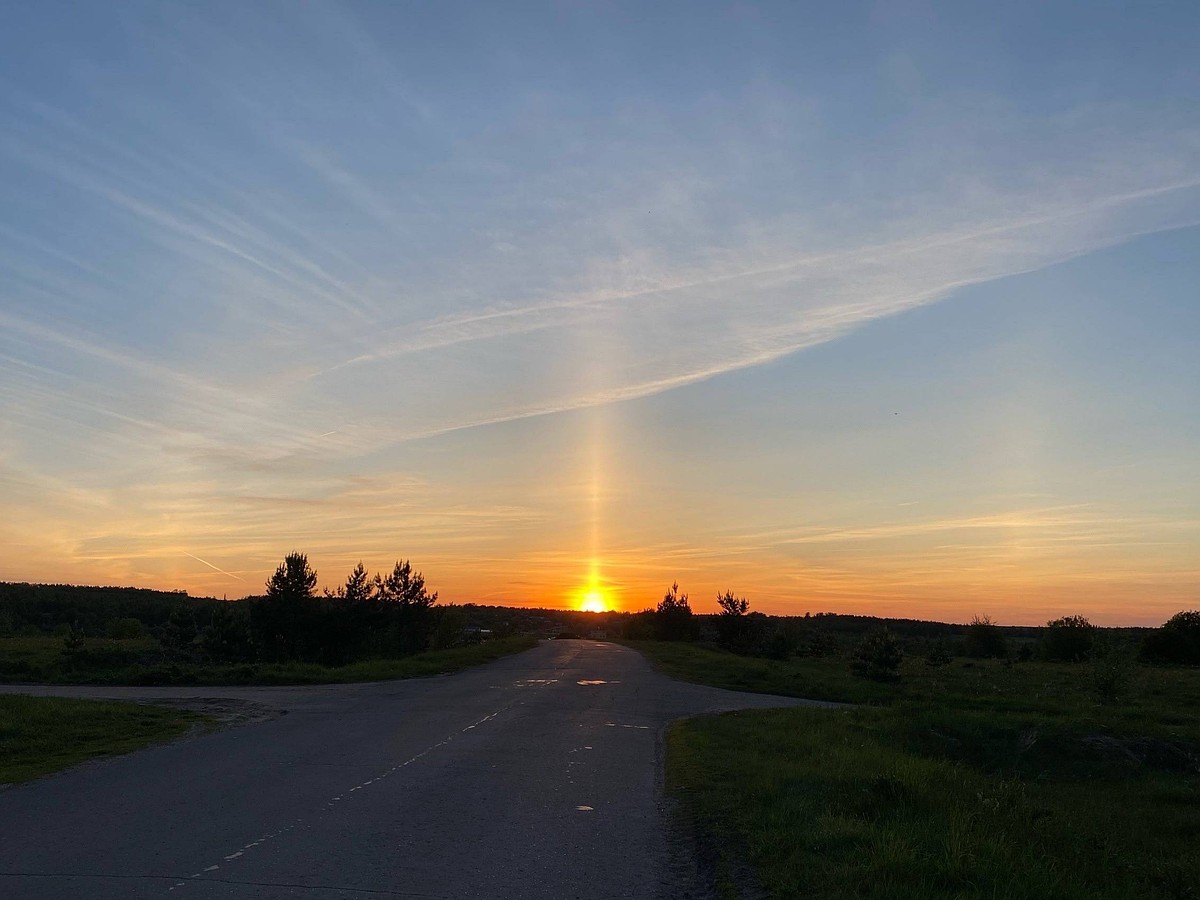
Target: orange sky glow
840	308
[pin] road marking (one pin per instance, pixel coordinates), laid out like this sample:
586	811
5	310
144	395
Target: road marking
329	805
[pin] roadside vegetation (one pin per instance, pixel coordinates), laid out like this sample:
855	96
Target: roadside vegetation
142	662
40	735
369	628
1002	763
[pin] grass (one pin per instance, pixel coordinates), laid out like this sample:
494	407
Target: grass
40	735
976	779
141	662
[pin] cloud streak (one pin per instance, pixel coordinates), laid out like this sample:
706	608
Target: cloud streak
214	568
326	246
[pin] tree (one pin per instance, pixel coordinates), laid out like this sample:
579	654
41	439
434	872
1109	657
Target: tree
732	606
408	603
985	640
358	586
1068	639
1177	641
404	587
293	580
283	620
732	631
673	616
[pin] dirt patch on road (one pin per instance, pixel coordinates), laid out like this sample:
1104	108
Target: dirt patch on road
224	711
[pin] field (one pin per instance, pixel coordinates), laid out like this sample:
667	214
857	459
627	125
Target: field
39	735
973	779
141	661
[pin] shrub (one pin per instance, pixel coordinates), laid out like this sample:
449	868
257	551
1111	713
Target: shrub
73	638
779	645
985	640
125	627
878	656
227	636
939	655
640	626
816	642
1068	639
1112	671
1177	641
180	630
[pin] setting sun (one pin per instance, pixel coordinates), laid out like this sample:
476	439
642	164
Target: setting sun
593	601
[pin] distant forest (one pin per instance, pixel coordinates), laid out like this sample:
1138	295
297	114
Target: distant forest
393	615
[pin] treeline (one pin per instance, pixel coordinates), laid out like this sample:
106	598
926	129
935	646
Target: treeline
1069	639
44	608
394	614
388	615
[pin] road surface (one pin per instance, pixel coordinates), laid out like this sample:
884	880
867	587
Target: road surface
535	776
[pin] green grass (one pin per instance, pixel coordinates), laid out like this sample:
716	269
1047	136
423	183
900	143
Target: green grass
39	735
808	677
41	659
971	780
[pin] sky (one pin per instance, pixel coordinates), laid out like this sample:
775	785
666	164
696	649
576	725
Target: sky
885	308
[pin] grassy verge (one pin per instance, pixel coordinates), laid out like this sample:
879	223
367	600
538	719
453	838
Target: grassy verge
813	678
39	735
975	779
124	662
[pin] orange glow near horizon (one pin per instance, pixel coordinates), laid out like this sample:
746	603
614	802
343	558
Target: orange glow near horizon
593	601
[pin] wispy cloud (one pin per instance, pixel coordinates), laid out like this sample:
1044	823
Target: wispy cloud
303	252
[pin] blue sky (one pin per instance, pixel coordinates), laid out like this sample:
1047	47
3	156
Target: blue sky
883	307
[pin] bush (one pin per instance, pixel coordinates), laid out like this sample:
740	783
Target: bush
73	639
878	656
816	642
181	630
1068	639
125	628
640	626
939	655
1112	672
985	640
227	636
780	645
1177	641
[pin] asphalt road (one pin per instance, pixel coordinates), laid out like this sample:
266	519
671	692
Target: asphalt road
536	776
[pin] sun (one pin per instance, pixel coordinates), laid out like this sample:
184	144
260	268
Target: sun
593	601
